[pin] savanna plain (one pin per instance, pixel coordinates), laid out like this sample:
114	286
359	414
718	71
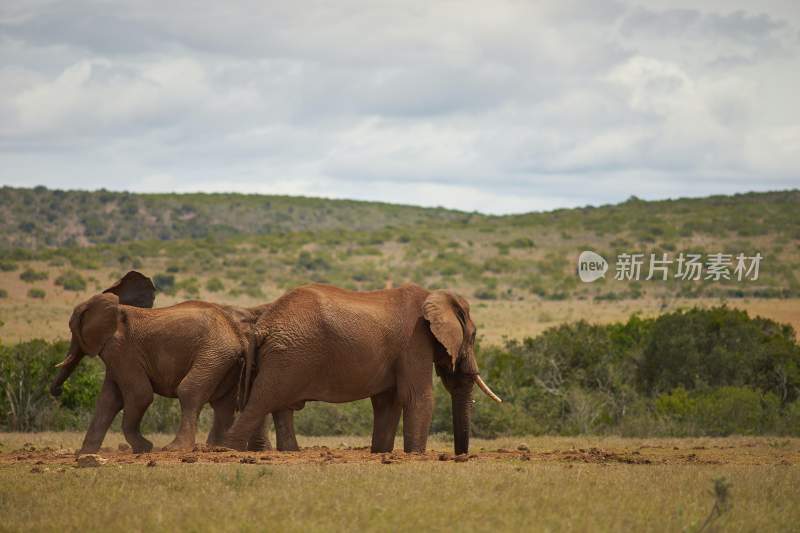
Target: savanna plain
520	483
579	469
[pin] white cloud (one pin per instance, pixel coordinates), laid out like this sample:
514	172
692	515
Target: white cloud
502	106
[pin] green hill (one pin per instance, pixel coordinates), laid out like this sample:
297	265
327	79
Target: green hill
248	243
35	218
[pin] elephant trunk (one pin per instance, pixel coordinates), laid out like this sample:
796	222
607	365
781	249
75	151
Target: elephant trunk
66	367
462	411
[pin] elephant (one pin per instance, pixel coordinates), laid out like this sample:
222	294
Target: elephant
193	351
320	342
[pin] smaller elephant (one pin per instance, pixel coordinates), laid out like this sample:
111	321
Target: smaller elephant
194	351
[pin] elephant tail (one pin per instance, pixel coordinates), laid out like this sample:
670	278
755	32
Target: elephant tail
247	371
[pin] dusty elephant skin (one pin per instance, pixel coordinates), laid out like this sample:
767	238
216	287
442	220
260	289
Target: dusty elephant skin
192	351
320	342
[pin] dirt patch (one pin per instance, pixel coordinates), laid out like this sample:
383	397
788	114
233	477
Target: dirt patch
639	456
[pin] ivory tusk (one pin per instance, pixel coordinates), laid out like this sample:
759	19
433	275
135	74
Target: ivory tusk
486	390
66	360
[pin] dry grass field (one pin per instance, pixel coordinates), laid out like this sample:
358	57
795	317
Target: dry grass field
561	484
23	318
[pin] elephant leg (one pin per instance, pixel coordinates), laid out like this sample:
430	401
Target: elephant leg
266	397
415	389
259	440
108	404
285	438
136	401
224	409
386	411
194	390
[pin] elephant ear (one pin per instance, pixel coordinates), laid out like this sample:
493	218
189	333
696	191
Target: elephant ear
98	322
134	289
441	309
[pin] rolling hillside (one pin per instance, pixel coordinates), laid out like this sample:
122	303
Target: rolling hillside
59	246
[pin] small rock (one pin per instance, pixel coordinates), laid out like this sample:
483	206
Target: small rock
523	448
343	445
38	470
189	459
444	457
387	460
463	458
124	447
525	457
90	460
249	460
151	463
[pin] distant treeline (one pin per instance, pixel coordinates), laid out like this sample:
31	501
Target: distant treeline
692	372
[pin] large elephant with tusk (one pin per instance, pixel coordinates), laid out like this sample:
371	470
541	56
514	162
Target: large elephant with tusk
320	342
194	351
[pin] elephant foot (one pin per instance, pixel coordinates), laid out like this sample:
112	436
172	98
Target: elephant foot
145	446
258	446
235	444
381	449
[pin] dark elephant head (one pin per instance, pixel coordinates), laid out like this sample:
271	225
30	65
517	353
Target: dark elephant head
94	321
448	315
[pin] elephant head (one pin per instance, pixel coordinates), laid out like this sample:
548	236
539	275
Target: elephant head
453	328
94	321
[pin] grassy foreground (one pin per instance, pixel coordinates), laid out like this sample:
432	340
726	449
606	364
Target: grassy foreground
475	496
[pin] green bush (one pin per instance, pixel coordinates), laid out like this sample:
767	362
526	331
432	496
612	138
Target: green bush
717	347
319	418
3	293
215	285
571	379
7	266
26	370
71	281
190	287
721	411
37	294
165	283
29	275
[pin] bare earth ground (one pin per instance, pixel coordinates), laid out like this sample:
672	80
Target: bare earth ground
334	483
49	448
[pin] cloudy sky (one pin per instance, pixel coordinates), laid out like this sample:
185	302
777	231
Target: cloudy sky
495	106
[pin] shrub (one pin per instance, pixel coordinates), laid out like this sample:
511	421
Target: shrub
190	287
26	370
215	285
721	411
3	294
165	283
36	293
71	281
319	418
29	275
7	266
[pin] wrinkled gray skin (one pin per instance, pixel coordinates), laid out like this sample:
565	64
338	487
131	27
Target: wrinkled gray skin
324	343
192	351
